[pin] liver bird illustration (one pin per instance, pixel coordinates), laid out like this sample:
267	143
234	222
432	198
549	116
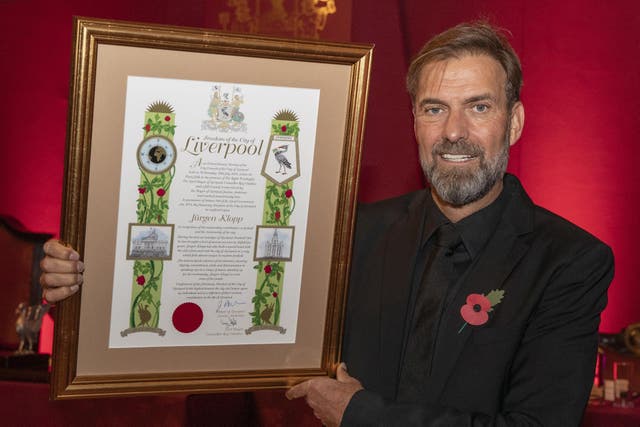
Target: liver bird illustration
144	314
283	163
266	314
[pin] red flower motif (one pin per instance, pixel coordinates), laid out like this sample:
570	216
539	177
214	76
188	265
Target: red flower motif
277	215
167	118
147	128
161	192
283	128
475	311
275	294
288	193
141	190
267	269
141	280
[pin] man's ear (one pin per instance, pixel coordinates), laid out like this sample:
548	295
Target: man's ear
516	123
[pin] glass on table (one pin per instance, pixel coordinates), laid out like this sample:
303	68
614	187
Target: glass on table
622	374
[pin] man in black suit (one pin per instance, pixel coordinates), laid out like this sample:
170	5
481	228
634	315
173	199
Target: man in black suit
468	304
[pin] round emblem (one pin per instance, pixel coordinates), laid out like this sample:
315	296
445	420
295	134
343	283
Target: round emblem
156	154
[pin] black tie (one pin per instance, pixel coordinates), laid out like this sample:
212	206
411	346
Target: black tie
439	274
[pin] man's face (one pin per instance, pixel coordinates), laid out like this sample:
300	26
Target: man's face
464	128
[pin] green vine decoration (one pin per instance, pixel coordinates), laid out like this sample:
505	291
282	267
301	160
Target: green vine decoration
147	274
153	202
285	128
266	301
279	200
279	204
157	124
152	207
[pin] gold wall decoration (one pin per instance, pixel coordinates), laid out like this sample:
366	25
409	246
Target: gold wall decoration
293	18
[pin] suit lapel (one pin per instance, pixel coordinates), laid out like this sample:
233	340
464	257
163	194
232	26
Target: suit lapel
398	265
490	270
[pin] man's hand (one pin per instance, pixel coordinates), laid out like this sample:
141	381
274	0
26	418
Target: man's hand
327	397
61	271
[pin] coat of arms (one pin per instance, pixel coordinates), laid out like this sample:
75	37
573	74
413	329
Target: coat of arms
224	110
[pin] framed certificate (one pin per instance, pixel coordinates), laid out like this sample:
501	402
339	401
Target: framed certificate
210	188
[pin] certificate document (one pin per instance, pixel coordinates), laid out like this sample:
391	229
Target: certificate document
212	215
210	187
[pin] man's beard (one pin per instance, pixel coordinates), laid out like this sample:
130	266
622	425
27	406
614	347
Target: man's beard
460	185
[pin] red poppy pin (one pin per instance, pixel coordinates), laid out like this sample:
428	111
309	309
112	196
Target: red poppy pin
476	311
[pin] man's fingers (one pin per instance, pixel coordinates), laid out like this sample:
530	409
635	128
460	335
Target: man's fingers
297	391
58	280
328	397
56	249
55	265
61	271
57	294
60	258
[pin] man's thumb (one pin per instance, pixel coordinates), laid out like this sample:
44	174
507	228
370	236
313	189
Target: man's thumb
341	374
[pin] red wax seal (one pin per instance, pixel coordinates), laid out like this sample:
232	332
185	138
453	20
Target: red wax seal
187	317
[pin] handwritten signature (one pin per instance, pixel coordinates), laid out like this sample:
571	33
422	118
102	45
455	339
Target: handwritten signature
230	322
225	305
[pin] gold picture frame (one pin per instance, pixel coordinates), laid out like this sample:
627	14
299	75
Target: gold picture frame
105	53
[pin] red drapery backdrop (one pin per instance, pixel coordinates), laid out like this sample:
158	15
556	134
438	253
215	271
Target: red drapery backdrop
577	155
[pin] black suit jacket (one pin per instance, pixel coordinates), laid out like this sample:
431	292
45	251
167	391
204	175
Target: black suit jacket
532	363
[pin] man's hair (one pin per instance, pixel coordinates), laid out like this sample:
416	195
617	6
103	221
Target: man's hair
476	38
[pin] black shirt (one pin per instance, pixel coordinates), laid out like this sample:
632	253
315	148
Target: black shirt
474	231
